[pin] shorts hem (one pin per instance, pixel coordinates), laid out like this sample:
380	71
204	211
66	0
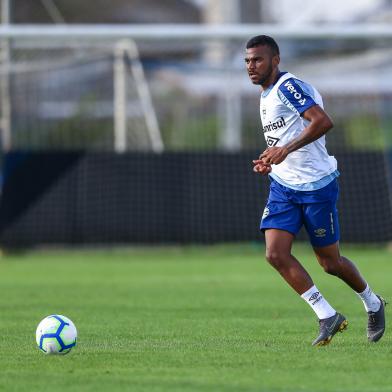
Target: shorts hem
324	245
263	229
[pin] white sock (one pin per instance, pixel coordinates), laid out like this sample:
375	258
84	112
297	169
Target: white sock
370	300
318	303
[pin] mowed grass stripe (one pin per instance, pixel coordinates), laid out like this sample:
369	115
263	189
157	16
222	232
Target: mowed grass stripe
214	318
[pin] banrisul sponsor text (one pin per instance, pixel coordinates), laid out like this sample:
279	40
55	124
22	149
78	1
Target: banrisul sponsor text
272	126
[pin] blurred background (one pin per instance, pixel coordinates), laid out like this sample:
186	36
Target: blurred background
135	122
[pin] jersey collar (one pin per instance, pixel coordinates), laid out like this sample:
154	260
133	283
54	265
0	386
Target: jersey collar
267	91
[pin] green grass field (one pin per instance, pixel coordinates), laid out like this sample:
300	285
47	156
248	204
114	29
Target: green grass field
214	318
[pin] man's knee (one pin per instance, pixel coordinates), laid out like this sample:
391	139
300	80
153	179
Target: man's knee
330	265
276	258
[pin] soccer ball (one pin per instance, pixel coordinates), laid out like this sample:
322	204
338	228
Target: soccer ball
56	334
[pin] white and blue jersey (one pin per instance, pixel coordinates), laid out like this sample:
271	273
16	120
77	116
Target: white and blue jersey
304	189
281	106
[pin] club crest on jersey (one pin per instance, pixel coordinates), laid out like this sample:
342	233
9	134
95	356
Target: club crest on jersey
272	126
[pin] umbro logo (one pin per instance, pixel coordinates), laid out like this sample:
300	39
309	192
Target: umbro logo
272	141
314	296
320	232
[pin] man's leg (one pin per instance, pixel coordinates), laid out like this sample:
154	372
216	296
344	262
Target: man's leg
278	254
333	263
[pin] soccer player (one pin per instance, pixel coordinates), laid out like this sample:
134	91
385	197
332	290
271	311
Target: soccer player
303	189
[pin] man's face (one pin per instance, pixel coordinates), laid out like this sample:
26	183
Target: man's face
260	64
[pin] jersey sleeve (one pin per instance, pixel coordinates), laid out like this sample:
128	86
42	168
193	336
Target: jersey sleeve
296	95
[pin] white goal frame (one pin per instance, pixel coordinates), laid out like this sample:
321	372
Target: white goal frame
191	31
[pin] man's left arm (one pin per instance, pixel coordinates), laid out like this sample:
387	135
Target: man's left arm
319	124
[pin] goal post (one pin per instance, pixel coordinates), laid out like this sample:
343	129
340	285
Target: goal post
127	49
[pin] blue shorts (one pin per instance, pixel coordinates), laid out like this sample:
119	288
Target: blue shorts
288	209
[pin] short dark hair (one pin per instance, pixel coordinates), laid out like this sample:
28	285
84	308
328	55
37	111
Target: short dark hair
261	40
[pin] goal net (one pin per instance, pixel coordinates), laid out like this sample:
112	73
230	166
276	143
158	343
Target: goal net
150	140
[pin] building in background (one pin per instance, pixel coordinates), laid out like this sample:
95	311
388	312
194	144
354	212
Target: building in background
102	11
201	11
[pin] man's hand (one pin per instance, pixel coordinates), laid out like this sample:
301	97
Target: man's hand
261	167
274	155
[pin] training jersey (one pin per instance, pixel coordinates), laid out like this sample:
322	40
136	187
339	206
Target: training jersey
281	107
